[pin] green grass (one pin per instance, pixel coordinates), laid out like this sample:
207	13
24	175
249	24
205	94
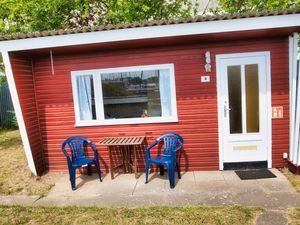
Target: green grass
226	215
293	178
15	177
294	216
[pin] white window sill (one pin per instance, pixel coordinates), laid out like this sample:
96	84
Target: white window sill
126	121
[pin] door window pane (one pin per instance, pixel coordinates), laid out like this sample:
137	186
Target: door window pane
252	98
235	99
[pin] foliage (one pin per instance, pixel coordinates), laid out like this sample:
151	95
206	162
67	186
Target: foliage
38	15
239	6
197	214
11	122
121	11
2	72
2	80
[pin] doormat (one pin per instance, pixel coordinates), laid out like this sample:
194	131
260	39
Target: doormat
254	174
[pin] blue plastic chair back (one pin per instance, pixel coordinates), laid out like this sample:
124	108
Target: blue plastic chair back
172	143
77	146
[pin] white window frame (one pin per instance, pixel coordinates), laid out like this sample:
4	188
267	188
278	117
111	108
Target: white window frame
100	120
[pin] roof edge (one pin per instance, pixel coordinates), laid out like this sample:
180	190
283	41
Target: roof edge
232	23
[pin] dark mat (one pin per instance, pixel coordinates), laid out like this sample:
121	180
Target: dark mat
254	174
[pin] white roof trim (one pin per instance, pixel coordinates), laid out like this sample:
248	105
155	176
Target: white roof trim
207	27
18	111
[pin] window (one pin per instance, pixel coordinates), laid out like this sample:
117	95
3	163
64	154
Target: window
126	95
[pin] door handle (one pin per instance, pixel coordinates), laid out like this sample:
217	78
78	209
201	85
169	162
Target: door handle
226	110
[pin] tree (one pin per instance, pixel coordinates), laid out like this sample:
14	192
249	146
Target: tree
239	6
35	15
39	15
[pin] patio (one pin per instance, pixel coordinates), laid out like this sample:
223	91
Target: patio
206	187
211	188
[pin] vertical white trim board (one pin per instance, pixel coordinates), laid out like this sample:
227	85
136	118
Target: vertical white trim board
294	89
18	111
298	111
291	152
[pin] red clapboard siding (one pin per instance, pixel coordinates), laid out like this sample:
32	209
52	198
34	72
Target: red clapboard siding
196	101
22	70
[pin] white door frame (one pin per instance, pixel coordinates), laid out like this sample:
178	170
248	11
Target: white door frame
266	55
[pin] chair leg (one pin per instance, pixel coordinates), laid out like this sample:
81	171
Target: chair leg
98	170
171	173
147	172
89	170
73	178
161	170
178	170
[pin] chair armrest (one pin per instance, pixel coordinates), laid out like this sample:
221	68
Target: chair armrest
181	142
67	155
148	156
93	148
178	148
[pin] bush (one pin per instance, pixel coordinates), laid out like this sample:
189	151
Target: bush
2	79
11	121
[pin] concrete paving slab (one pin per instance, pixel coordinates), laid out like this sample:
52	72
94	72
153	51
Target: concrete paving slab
188	177
208	176
91	186
156	184
186	184
276	185
230	175
215	187
18	199
278	174
84	184
272	218
120	185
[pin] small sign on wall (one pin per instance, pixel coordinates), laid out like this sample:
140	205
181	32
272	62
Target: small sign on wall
205	79
277	112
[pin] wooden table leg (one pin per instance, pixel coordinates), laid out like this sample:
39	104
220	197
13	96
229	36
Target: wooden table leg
110	163
129	159
135	161
123	155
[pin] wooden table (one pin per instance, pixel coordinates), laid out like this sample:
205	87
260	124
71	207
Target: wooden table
128	147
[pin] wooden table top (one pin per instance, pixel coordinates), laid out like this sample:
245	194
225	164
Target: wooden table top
124	140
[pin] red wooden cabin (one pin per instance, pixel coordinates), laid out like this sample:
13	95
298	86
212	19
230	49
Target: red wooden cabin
225	83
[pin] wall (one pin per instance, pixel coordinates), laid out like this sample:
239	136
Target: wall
23	75
196	101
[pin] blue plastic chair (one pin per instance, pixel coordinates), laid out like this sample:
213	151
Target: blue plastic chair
172	143
77	157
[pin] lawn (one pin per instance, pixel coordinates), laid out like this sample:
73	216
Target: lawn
294	216
293	213
15	177
293	178
226	215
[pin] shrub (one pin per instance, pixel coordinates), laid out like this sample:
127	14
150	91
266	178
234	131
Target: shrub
11	121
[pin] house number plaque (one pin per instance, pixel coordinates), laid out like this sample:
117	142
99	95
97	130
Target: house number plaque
277	112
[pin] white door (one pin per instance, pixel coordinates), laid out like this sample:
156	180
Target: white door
244	107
